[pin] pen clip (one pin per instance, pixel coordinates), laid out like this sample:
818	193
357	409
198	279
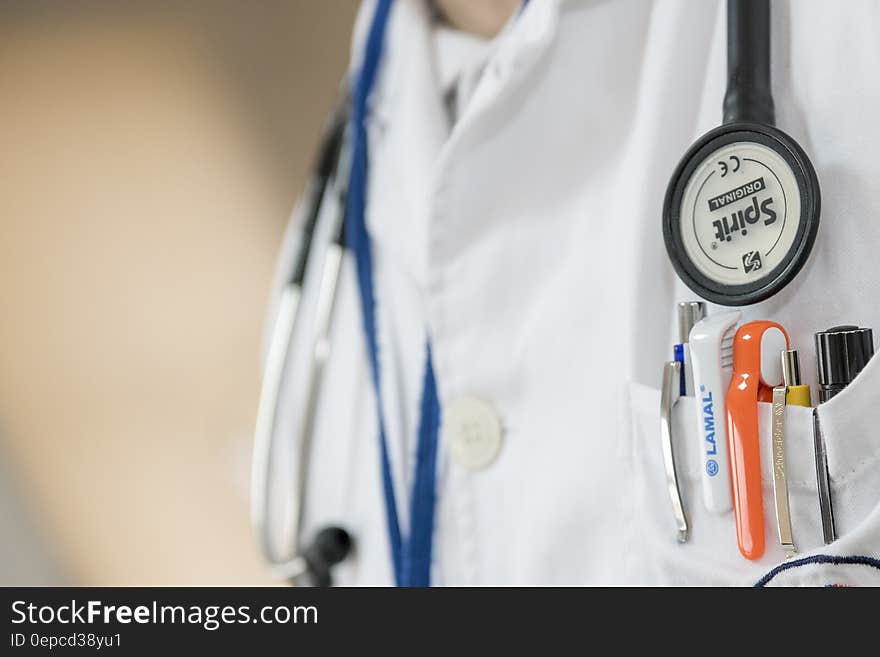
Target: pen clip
669	394
780	478
823	480
756	371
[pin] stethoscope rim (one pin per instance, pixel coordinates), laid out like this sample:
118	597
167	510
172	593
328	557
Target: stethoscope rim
794	260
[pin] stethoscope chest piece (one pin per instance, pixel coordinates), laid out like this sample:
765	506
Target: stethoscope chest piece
741	213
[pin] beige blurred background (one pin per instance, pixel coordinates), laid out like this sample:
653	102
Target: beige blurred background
150	153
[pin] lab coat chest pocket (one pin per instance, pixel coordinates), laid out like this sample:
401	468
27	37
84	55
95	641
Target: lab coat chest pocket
711	556
850	424
711	544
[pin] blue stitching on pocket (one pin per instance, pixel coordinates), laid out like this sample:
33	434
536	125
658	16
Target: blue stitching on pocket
819	559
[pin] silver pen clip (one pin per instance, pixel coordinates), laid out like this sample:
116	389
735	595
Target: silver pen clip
780	476
669	394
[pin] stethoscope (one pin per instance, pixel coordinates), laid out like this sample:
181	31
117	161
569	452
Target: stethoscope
313	563
742	208
739	220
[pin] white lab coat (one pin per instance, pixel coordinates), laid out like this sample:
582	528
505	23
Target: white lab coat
526	242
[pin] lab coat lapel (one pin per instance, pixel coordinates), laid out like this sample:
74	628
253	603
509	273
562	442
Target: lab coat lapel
406	131
403	159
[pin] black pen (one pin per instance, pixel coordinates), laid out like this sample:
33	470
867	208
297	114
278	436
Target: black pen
841	353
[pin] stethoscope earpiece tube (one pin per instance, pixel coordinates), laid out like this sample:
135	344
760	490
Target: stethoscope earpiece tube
748	98
332	544
324	169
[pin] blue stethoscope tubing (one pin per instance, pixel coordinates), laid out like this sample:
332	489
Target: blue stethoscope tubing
411	552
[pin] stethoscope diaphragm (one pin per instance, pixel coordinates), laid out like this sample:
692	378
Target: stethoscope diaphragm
741	213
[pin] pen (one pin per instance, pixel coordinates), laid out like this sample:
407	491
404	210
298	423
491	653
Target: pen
669	394
756	371
790	392
711	351
780	481
798	394
678	357
689	313
841	353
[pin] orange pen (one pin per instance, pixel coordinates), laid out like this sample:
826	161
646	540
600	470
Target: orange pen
757	368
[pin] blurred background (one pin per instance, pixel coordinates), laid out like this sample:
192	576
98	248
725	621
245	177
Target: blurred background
150	154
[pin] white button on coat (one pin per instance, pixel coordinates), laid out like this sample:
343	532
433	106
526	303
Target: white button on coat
474	432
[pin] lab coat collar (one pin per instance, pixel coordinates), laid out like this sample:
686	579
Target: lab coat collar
408	56
408	127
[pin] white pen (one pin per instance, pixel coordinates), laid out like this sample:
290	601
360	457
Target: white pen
711	352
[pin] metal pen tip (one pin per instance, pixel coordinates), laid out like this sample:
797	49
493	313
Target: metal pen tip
791	368
689	313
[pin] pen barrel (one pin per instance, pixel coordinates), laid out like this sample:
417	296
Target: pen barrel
689	313
749	384
710	393
841	353
711	349
791	368
799	396
745	466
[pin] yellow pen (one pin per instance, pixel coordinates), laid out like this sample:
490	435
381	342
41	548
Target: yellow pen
798	394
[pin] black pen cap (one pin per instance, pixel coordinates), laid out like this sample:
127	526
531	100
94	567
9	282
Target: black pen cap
841	353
